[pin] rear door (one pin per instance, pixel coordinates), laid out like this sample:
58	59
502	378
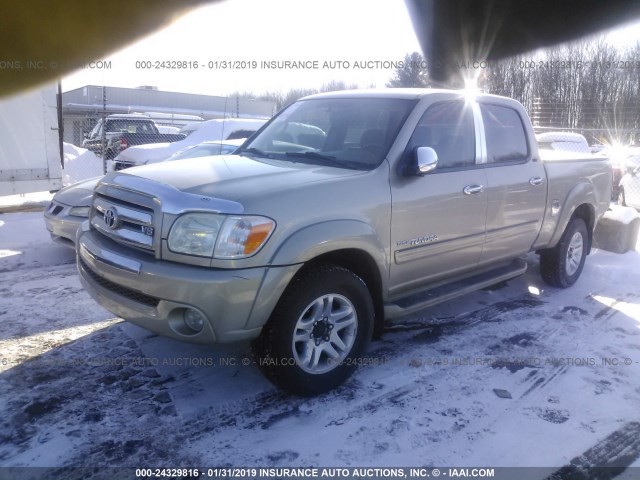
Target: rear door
438	229
516	183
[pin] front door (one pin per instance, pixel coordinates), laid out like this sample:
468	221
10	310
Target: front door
438	219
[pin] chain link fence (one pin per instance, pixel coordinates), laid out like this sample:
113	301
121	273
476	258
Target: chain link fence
626	178
610	131
101	123
555	142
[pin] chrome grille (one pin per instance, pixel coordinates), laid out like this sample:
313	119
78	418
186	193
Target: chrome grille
124	222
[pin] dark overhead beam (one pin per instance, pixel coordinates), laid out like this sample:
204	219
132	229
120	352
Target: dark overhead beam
451	31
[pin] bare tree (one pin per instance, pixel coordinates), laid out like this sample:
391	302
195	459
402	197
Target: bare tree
412	72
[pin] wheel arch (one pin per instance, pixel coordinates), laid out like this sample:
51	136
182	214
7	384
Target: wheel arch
364	266
351	243
584	199
587	213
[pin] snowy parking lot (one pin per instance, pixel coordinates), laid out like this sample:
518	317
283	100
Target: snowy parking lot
516	375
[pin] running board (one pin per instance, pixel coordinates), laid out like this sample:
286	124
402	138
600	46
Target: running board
427	298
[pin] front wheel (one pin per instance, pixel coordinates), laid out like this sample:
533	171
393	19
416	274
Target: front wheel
321	326
562	265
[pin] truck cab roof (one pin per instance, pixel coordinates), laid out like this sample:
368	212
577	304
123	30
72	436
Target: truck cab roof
400	93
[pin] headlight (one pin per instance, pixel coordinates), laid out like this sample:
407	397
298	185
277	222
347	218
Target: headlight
243	236
195	234
219	236
79	212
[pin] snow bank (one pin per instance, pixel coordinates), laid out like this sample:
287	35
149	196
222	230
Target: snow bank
624	215
617	231
81	164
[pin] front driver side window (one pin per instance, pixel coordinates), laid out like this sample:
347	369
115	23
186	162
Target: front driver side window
447	127
506	138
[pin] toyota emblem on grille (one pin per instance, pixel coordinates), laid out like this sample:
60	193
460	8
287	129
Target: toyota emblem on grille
111	218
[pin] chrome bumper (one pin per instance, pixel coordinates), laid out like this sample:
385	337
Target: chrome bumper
155	294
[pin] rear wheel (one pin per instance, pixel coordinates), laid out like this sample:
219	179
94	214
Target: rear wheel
562	265
316	334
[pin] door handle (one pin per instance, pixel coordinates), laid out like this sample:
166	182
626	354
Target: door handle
472	189
535	181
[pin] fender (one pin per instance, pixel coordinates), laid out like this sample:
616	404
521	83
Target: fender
318	239
579	195
306	244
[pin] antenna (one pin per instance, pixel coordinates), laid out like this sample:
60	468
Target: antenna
224	121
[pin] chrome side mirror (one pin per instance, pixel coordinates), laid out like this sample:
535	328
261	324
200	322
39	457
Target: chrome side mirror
426	160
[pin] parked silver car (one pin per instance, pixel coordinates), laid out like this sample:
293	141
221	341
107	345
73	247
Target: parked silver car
70	206
68	209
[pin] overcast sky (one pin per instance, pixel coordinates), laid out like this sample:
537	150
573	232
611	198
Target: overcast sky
359	40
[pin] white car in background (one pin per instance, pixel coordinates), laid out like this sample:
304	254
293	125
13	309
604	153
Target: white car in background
210	130
168	129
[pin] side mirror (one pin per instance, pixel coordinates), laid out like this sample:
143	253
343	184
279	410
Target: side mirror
426	160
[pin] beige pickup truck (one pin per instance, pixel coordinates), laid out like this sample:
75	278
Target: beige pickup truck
347	209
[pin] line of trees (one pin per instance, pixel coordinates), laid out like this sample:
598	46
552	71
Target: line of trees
589	85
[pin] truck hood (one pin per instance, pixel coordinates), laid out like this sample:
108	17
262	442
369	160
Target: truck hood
235	177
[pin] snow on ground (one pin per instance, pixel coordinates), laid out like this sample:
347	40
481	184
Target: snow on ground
81	164
25	201
519	374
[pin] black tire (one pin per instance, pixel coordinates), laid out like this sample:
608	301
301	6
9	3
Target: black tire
621	198
562	265
283	360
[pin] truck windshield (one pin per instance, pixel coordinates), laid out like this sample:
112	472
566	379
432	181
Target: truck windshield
342	132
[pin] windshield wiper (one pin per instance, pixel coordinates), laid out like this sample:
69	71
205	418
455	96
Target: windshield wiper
327	158
255	151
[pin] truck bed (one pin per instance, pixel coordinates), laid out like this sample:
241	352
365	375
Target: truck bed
567	178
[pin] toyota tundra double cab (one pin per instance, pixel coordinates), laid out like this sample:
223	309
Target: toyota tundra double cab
346	210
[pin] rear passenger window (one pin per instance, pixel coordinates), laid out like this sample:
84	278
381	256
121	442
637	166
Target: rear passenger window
447	127
506	139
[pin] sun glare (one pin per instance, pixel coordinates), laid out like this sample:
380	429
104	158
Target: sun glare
534	290
471	89
9	253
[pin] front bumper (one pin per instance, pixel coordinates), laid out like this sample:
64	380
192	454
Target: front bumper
154	294
61	226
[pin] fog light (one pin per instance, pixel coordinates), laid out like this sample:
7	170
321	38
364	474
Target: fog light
193	320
